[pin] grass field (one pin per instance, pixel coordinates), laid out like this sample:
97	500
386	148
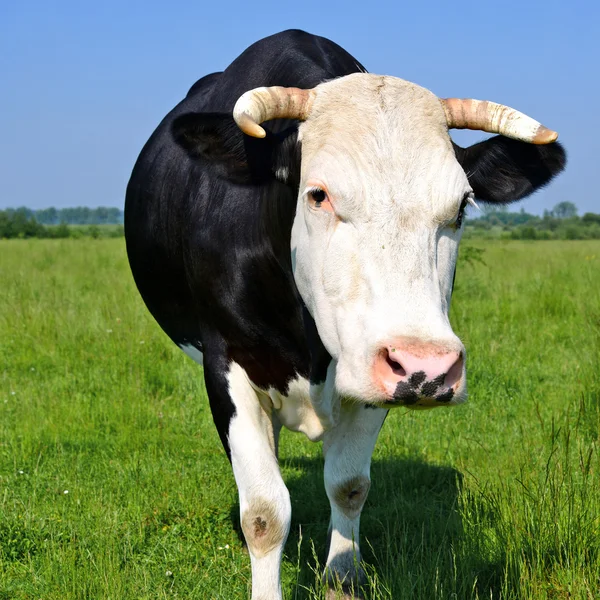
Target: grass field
113	484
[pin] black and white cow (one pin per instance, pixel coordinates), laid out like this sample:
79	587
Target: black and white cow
308	263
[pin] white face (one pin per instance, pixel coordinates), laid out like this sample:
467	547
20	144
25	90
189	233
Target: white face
375	242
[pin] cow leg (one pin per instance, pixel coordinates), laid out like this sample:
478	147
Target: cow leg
348	448
265	508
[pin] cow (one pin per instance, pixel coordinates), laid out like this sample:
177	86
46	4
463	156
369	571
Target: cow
293	226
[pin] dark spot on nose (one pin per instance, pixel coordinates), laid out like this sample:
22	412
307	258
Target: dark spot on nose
417	378
446	396
430	388
405	393
439	380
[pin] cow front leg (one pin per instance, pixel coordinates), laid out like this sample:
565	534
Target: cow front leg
348	448
265	508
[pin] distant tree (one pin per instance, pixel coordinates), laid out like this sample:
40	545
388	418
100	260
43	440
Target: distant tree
572	233
20	224
61	231
590	217
67	215
524	233
4	224
47	216
84	215
102	215
24	212
523	217
115	215
564	210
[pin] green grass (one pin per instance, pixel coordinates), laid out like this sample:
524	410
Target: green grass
499	498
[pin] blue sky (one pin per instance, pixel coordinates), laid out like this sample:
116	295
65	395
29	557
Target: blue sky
84	84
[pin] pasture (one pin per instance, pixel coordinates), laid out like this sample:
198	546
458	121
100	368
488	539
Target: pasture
113	483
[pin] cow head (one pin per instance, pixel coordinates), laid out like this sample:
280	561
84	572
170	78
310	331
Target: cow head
382	191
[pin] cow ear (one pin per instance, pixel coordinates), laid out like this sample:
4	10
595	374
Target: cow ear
502	170
215	138
212	137
286	155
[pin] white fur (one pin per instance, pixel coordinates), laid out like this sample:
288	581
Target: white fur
348	448
381	267
282	173
295	411
326	400
252	440
253	432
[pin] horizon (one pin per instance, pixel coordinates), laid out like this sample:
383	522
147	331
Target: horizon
471	213
86	86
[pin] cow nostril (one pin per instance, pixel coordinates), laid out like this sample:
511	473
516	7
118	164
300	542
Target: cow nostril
396	367
455	372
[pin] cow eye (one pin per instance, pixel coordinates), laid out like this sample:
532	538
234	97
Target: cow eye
318	196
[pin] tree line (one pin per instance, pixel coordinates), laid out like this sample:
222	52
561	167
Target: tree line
61	223
79	215
562	222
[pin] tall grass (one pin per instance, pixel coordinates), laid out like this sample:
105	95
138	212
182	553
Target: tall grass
113	483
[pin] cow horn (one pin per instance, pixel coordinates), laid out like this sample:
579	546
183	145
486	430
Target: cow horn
495	118
266	103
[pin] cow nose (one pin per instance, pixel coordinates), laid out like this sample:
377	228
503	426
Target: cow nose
421	369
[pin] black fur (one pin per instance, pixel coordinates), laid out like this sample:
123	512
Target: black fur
235	157
208	224
502	170
319	357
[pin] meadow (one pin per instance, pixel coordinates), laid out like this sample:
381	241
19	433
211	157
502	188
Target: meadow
113	483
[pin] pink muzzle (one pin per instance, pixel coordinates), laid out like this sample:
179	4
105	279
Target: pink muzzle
418	373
